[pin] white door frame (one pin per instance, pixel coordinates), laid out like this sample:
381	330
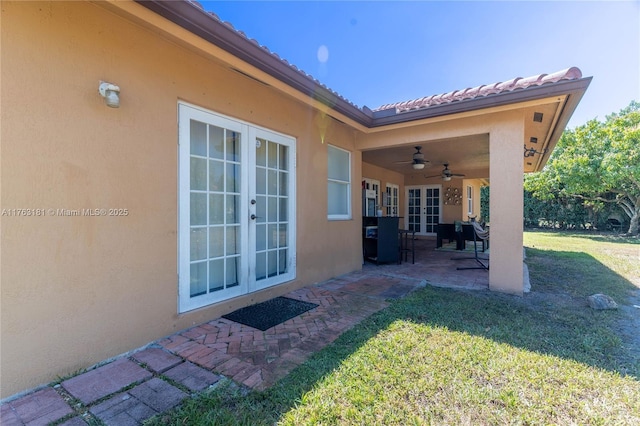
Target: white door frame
422	230
246	215
255	284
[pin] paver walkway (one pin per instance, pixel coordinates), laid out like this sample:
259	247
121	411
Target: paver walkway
131	389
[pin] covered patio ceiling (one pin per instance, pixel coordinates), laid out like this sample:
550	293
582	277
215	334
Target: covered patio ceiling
469	155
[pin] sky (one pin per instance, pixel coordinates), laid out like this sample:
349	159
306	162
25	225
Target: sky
378	52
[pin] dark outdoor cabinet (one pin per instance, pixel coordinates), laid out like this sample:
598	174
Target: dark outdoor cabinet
380	242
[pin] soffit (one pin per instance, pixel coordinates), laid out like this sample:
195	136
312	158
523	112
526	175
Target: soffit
468	155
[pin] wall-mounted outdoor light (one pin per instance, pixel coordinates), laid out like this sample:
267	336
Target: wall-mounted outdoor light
530	152
111	94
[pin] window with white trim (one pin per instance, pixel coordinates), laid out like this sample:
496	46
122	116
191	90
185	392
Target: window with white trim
469	200
392	199
339	184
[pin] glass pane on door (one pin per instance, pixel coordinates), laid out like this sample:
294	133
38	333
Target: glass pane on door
214	223
414	214
432	213
272	207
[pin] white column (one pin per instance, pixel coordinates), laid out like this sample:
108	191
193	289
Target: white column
506	205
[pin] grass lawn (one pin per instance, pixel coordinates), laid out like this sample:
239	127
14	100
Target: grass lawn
441	356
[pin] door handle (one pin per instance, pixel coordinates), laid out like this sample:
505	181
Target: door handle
254	217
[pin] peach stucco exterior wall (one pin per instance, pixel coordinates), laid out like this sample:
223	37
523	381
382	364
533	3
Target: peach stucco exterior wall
507	204
78	290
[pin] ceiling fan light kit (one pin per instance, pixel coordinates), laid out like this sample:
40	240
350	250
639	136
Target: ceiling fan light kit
446	174
417	160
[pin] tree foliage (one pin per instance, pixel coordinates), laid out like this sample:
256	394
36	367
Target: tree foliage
570	213
484	203
598	162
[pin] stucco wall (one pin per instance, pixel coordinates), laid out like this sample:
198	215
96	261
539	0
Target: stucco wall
453	212
506	205
77	290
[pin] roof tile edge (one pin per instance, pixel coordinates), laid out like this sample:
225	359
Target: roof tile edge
517	83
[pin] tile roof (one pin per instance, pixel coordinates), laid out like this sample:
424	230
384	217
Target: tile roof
572	73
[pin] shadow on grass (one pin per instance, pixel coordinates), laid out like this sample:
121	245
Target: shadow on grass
554	319
609	237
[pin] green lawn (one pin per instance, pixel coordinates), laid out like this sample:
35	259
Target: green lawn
441	356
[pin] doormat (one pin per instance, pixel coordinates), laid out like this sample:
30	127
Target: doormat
270	313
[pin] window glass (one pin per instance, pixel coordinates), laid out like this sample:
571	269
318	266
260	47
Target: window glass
339	184
339	164
338	199
198	138
392	199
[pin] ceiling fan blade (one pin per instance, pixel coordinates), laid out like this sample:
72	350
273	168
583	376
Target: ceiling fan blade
417	158
429	177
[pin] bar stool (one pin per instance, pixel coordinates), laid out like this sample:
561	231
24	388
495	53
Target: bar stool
404	245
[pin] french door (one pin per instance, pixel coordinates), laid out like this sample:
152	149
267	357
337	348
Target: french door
424	208
236	208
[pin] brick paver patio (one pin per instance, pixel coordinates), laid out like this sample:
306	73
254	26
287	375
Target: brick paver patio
131	389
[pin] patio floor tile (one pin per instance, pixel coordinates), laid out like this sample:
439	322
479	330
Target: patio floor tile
75	421
8	417
156	359
122	410
139	403
158	394
95	384
39	408
192	376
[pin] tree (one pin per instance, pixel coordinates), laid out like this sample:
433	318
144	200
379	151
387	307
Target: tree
484	203
598	162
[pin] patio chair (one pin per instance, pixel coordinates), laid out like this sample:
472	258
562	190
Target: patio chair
479	235
445	231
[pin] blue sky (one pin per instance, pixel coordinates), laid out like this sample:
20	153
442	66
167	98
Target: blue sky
374	53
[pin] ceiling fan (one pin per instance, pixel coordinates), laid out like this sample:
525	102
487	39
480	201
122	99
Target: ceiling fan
446	174
418	162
